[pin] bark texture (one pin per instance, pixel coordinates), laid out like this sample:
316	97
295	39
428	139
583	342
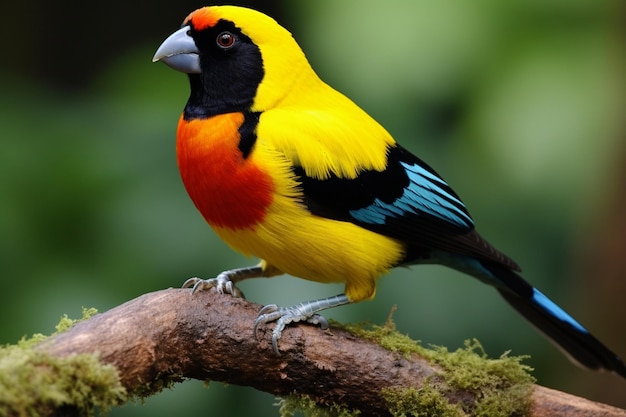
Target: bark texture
172	334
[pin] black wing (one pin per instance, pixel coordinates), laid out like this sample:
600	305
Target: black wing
407	201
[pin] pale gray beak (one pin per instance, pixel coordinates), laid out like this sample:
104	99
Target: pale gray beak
179	51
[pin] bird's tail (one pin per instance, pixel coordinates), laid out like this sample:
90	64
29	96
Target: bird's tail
569	335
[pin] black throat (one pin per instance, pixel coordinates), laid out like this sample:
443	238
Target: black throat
229	79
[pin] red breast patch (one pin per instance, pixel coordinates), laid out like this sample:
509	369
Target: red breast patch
227	189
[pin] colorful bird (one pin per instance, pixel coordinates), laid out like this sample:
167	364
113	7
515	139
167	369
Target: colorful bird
285	168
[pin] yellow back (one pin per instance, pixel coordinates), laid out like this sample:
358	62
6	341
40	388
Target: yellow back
311	123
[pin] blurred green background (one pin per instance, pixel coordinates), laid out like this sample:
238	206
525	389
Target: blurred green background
517	104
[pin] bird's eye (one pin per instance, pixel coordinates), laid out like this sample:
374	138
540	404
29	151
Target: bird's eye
225	40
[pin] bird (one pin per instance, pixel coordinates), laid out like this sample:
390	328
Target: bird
285	168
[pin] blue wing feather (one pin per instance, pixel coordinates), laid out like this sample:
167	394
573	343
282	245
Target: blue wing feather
425	193
407	201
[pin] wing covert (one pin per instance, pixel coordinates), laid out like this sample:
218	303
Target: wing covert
405	201
426	193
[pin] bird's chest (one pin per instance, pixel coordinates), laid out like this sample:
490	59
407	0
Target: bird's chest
230	191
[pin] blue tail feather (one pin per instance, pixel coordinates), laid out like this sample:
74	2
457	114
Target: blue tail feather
561	328
550	319
546	304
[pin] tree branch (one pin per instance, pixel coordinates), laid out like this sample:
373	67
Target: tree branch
171	334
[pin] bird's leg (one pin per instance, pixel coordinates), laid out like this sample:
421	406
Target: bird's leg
225	282
305	311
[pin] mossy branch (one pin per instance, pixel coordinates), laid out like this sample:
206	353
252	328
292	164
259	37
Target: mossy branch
168	336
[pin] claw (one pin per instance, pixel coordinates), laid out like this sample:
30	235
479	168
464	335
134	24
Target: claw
223	284
307	311
284	316
191	283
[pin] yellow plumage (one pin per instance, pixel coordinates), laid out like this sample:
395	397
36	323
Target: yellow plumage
285	168
292	240
304	122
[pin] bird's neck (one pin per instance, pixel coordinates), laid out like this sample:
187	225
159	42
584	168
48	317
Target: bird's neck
208	99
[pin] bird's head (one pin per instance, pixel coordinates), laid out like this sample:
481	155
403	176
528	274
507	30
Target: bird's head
237	59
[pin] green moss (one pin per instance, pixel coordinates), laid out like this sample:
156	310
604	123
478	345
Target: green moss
500	387
161	382
424	402
388	337
66	322
33	383
293	404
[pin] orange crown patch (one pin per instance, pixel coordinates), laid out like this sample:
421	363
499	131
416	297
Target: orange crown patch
202	18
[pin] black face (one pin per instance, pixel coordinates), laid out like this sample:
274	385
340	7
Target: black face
232	69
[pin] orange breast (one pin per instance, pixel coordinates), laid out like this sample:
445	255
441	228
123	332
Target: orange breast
227	189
